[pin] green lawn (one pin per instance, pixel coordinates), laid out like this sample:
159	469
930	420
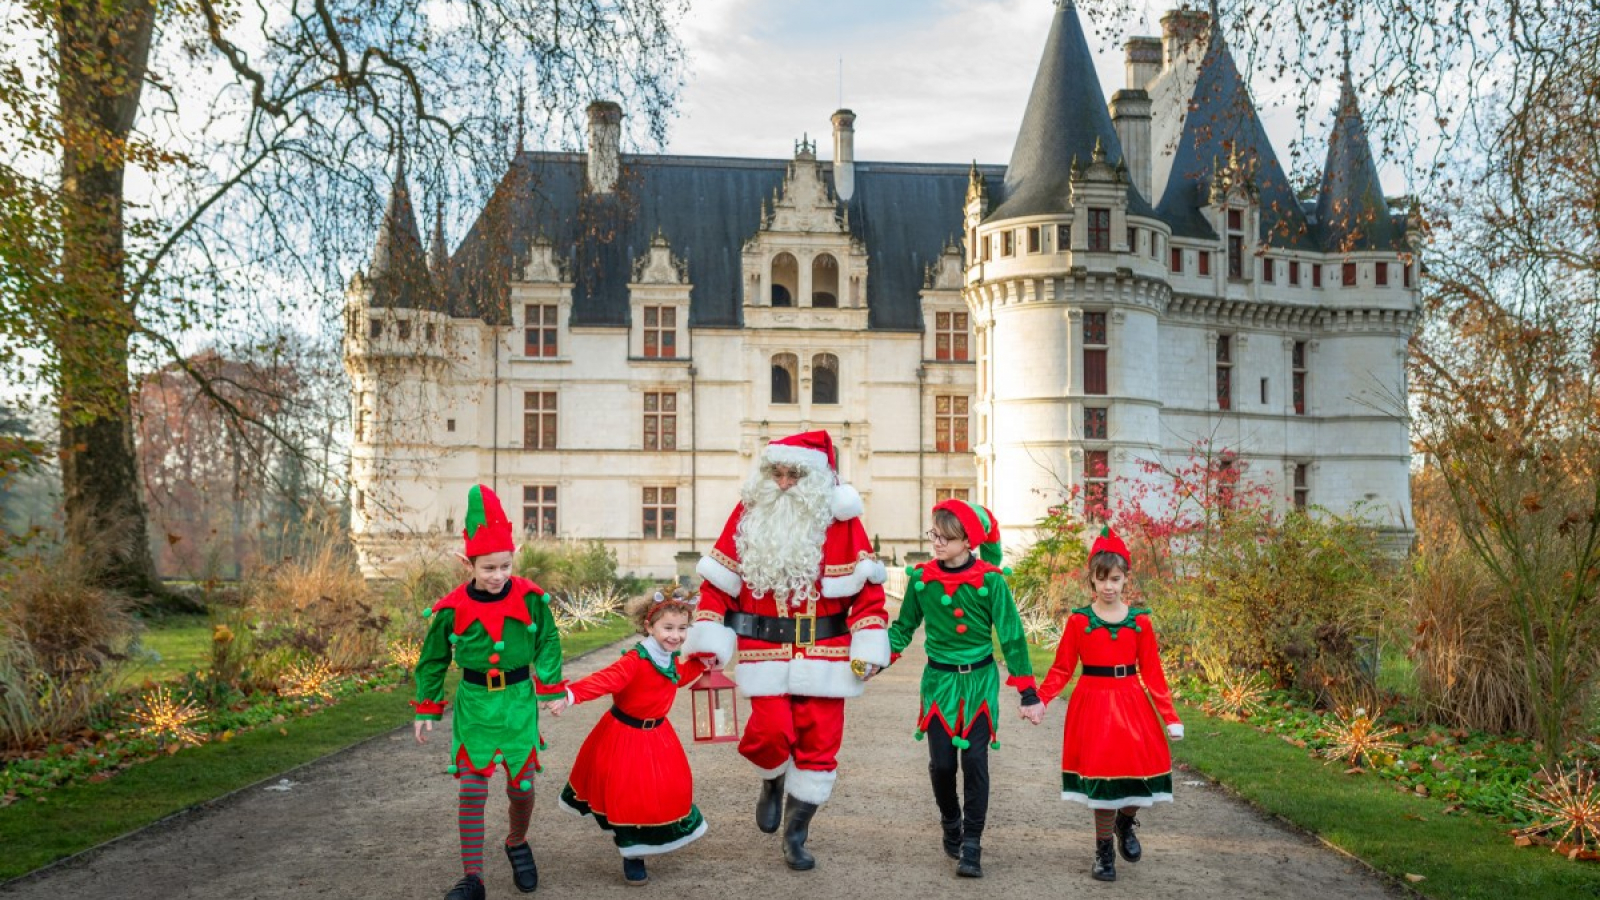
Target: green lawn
78	816
1396	832
169	648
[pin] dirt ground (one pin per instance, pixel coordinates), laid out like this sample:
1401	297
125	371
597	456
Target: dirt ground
378	820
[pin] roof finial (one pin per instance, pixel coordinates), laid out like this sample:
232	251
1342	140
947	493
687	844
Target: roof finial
1344	52
522	105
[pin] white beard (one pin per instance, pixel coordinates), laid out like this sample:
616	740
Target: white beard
780	535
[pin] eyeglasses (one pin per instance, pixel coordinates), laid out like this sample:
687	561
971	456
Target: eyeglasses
937	538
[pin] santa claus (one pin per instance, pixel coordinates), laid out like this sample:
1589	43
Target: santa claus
794	593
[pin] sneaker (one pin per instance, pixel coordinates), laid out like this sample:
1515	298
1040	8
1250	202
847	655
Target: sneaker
523	869
633	871
470	887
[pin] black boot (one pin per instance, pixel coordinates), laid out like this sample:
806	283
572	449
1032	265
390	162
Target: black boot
1105	860
971	864
952	836
796	826
633	871
470	887
769	807
1127	841
523	869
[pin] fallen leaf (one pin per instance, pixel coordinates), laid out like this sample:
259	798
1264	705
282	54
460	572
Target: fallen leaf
283	731
1415	878
1422	789
1452	808
1523	840
1353	770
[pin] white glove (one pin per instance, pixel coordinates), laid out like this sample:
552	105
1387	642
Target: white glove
1175	732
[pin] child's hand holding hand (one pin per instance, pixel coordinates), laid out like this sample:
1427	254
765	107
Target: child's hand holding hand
1034	714
554	707
418	725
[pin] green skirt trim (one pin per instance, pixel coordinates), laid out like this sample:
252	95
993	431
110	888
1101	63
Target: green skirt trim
1115	793
641	840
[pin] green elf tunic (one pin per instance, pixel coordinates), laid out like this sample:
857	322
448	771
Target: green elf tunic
497	635
962	610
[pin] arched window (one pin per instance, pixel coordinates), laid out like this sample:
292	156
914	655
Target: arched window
783	377
825	379
785	279
824	281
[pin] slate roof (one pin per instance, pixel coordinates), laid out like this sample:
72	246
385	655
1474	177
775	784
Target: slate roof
706	207
1352	212
1065	117
399	271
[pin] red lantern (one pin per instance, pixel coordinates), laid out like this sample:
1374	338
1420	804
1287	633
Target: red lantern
716	708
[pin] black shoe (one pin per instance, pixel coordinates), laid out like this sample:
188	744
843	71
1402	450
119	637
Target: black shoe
971	864
952	837
633	871
1127	841
796	828
470	887
769	807
523	870
1105	861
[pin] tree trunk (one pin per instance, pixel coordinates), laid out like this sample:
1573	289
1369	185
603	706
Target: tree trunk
103	47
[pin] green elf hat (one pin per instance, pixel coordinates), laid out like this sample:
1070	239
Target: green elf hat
487	528
983	532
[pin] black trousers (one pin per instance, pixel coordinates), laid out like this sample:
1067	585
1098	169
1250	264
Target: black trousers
974	763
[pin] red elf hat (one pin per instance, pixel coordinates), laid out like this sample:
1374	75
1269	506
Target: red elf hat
1109	542
487	528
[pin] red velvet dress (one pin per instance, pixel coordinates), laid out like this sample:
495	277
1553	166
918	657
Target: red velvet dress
636	781
1114	749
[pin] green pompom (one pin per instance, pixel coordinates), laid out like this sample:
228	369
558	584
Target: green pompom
917	735
533	627
1006	571
527	785
945	600
994	745
1088	629
911	570
983	592
499	757
499	645
454	638
451	770
427	612
917	585
960	743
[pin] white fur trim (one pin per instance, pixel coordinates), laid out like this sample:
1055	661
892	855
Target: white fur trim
640	850
850	585
789	455
800	677
845	502
871	645
768	774
571	809
720	575
810	785
1174	731
1151	800
714	638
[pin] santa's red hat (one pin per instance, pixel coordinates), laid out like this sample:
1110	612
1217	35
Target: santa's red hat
813	451
487	528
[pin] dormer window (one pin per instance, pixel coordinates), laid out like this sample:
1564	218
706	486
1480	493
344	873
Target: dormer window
1235	245
1100	230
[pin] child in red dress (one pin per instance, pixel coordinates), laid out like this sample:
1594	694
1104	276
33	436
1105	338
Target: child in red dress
631	773
1114	756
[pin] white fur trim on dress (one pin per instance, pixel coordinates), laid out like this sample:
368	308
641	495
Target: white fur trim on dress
800	677
845	502
789	455
850	585
1151	800
810	785
871	645
714	638
639	850
720	575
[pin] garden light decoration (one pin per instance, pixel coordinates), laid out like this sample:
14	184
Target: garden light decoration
716	708
1356	736
309	680
162	716
1239	696
1565	803
404	654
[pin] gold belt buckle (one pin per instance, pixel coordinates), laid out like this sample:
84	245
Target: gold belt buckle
489	681
805	630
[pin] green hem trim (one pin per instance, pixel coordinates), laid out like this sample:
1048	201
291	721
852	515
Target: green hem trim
638	835
1116	788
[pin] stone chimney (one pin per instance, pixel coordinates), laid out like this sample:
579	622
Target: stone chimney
1182	29
605	151
1143	60
844	155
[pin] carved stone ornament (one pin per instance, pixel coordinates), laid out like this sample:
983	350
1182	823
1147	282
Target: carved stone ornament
543	265
805	205
660	265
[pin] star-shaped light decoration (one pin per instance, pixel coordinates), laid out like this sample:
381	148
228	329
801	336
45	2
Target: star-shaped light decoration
169	720
310	680
1238	697
405	653
1568	803
583	608
1355	737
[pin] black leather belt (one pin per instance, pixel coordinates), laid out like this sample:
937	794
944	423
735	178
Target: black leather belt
634	721
499	682
801	630
1111	671
968	667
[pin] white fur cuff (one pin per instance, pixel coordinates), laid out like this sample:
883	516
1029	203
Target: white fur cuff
845	503
871	645
850	585
720	575
810	785
714	638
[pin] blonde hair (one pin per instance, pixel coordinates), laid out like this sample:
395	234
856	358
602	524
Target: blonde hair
645	609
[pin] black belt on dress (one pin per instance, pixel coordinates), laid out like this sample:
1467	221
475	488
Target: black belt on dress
802	630
968	667
499	682
1112	671
634	721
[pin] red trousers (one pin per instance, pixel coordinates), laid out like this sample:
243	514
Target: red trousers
808	729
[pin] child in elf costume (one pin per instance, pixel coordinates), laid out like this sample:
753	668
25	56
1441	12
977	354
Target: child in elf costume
631	773
1114	756
963	601
499	630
